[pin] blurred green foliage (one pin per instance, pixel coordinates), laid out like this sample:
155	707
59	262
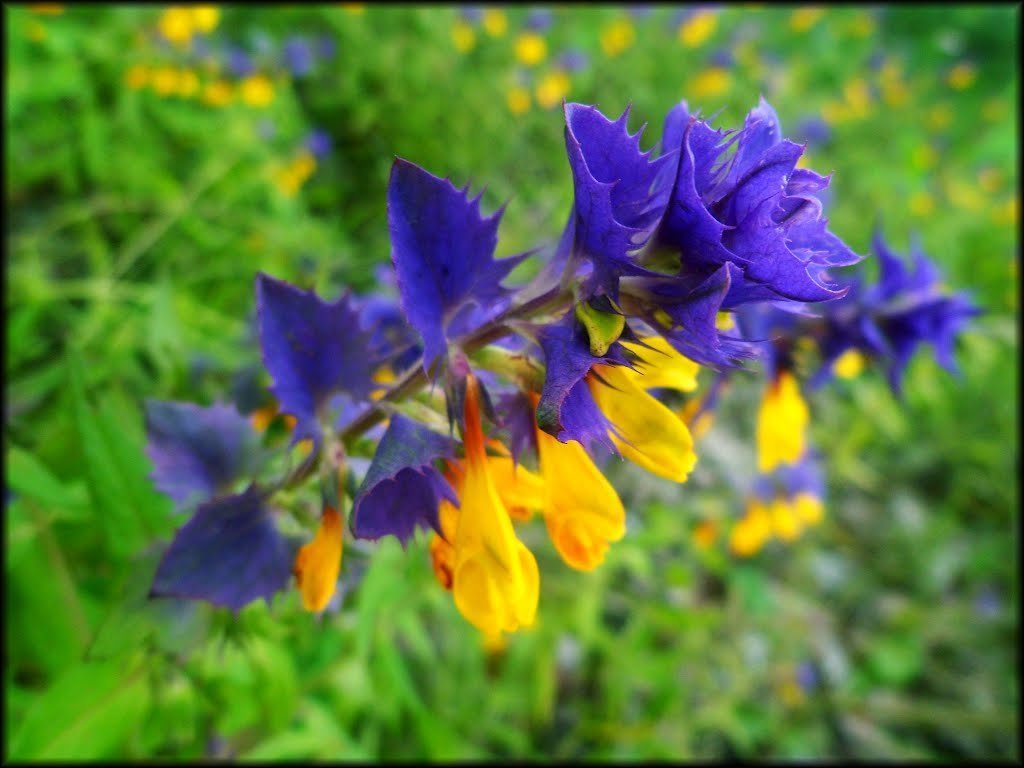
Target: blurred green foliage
138	219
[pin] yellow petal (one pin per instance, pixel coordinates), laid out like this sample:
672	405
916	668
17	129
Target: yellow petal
318	563
583	512
809	508
662	366
785	523
651	434
781	421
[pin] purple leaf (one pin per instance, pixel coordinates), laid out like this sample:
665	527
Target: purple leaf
311	349
402	488
229	554
197	452
443	251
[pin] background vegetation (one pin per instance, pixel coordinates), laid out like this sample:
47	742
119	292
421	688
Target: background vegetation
142	197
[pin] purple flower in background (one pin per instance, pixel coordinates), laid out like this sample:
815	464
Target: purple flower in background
806	676
326	47
318	142
988	603
573	60
539	19
239	62
471	14
722	58
813	130
297	55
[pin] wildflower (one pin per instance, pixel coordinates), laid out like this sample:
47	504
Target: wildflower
518	100
188	82
962	76
239	63
538	19
297	55
582	511
705	533
617	37
530	49
494	21
749	534
849	364
137	76
573	60
803	19
318	563
256	90
781	421
552	88
696	28
463	36
165	80
710	82
217	93
495	581
921	203
205	17
176	25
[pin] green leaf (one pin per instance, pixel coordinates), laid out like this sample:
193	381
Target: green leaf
89	713
29	476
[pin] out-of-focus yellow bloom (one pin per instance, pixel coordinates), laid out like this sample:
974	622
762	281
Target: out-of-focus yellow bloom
46	9
36	31
781	422
137	76
698	28
356	9
463	36
849	364
518	100
790	692
962	76
785	522
705	533
530	48
711	82
1008	212
808	508
165	80
176	25
256	90
804	161
964	195
921	203
617	36
895	93
835	112
205	17
862	25
994	110
217	93
495	582
649	433
724	321
494	21
583	512
290	178
803	19
318	563
939	117
188	82
858	96
752	531
552	88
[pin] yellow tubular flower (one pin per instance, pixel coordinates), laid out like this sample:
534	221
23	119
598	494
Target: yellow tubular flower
781	421
520	490
661	366
583	512
849	364
494	21
751	533
808	508
530	48
652	435
496	583
318	563
785	523
205	17
176	25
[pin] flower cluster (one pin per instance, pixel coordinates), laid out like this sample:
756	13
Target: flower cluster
482	403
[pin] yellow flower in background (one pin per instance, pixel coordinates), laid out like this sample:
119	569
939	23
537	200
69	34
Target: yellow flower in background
895	93
176	25
857	93
552	88
940	116
786	525
495	582
463	36
710	82
137	76
205	17
921	203
661	366
518	100
781	421
494	21
356	9
217	93
964	195
962	76
809	508
188	82
834	112
1008	212
994	110
256	90
698	28
849	364
990	180
862	25
752	531
47	9
705	533
530	48
165	80
803	19
617	36
698	423
318	563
